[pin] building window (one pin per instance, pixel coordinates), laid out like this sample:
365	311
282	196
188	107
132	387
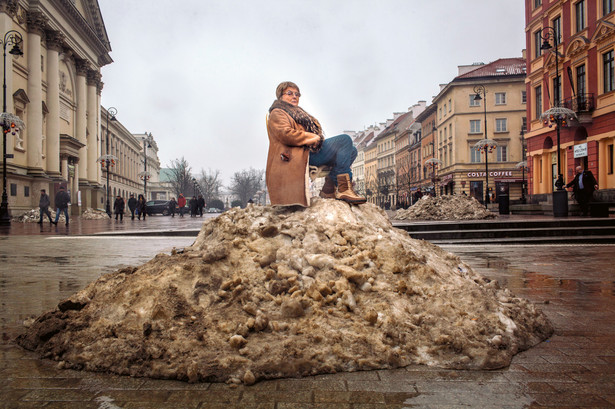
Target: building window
524	97
610	159
26	191
444	109
501	125
537	44
501	154
581	81
474	102
524	124
500	98
450	105
538	95
579	12
475	155
557	27
13	189
608	74
537	3
557	90
607	7
475	126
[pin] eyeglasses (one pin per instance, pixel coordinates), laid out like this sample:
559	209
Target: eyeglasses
291	93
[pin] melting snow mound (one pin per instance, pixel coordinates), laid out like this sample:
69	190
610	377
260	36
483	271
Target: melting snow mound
269	292
446	207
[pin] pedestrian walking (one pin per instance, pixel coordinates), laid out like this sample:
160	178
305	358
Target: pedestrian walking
583	186
141	207
43	204
172	206
132	206
194	206
118	207
62	200
201	205
181	203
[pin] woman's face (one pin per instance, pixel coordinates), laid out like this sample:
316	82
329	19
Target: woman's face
291	96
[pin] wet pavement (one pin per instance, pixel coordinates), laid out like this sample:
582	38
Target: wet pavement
573	284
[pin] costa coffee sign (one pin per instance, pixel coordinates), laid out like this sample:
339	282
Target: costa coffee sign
494	173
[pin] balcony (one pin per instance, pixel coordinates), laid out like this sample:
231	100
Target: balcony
583	105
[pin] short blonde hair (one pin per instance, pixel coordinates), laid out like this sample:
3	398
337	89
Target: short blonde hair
283	87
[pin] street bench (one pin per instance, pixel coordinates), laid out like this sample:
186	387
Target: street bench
600	209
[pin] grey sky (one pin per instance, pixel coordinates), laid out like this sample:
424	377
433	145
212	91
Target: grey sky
201	74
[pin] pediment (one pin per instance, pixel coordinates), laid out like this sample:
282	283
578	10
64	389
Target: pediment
577	46
550	61
20	95
604	31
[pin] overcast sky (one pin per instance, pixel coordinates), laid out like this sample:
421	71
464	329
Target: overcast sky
200	75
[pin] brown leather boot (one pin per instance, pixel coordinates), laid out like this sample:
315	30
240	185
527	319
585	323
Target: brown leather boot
328	189
345	192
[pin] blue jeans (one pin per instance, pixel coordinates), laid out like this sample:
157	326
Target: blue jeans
338	152
58	211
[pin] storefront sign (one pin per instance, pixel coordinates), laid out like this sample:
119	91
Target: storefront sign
580	151
495	173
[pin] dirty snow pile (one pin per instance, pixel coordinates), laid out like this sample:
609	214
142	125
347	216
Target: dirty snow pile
33	216
266	292
447	207
94	214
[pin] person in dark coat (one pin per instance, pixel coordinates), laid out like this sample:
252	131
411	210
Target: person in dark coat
201	205
132	205
43	204
118	207
141	207
583	186
172	206
62	200
194	206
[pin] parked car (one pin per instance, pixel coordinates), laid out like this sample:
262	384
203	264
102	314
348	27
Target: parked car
214	210
157	207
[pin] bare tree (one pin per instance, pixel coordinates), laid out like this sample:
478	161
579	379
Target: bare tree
210	184
246	183
181	177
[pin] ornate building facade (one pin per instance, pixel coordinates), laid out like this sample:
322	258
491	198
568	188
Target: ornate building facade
54	88
582	32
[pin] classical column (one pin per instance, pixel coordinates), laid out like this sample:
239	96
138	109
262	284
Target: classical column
81	120
64	167
54	45
547	180
34	127
93	77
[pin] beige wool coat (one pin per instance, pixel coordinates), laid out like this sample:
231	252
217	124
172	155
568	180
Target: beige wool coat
287	160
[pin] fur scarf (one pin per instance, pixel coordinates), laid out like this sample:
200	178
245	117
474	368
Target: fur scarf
307	121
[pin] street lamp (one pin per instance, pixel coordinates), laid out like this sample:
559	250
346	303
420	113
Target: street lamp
486	144
10	123
522	165
558	116
107	159
145	175
434	163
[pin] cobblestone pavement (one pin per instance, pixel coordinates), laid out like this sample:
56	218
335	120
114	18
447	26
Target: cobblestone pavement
574	285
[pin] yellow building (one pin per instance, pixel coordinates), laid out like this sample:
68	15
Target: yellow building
460	124
54	88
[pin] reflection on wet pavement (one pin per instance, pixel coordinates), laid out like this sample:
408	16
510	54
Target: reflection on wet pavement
574	285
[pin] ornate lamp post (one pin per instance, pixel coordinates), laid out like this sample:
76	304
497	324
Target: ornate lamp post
145	175
107	159
522	165
557	116
10	123
486	144
434	163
